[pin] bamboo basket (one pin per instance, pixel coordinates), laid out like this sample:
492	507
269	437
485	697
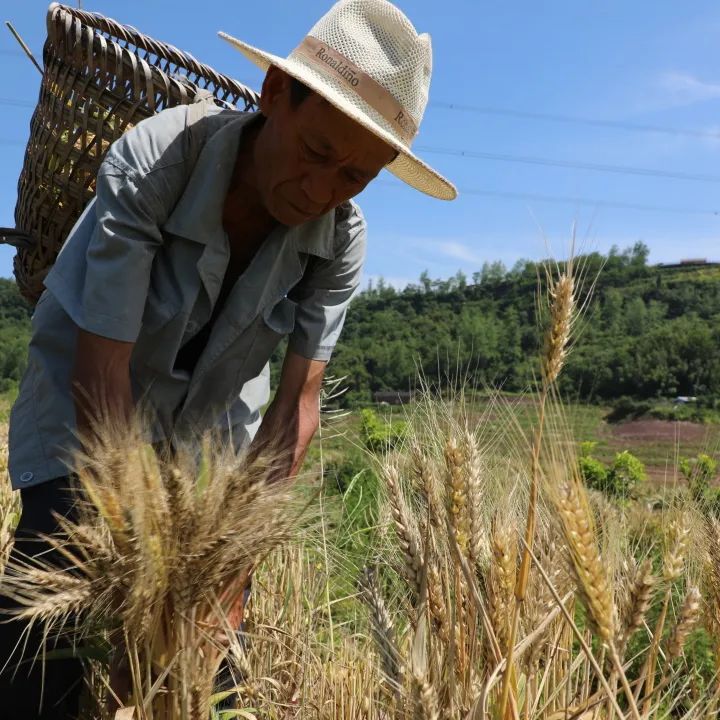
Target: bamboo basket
100	78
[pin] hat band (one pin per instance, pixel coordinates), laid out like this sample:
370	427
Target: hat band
366	87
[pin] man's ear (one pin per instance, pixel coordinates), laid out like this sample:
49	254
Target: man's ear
275	90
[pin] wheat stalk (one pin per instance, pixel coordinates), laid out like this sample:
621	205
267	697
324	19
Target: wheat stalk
563	312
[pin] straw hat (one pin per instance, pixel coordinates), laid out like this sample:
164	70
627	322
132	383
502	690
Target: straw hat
366	58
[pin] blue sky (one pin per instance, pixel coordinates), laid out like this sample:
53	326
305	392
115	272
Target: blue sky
639	64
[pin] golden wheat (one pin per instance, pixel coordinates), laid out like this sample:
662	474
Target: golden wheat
640	598
405	529
161	556
592	580
562	316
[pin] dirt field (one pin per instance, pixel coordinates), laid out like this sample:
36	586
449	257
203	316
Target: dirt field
665	431
659	444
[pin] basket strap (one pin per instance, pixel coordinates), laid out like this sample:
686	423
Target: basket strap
16	238
197	130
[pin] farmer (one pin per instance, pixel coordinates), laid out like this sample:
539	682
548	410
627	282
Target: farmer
213	235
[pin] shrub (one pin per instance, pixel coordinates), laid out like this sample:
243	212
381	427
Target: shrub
587	448
618	480
379	435
626	408
626	472
699	472
594	473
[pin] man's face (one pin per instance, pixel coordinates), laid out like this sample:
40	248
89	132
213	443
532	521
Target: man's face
310	157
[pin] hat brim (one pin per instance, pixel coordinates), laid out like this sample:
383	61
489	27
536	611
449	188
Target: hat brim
406	166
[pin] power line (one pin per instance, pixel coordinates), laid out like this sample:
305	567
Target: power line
572	200
553	162
575	120
526	159
566	199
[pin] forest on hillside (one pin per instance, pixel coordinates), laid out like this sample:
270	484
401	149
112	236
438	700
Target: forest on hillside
649	332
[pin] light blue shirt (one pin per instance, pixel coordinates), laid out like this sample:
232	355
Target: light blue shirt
145	264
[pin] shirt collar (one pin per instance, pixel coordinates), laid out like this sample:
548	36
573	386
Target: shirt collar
316	237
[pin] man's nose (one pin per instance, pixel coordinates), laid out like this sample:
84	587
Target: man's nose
318	188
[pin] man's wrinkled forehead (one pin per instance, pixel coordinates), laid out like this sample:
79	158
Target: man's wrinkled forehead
331	132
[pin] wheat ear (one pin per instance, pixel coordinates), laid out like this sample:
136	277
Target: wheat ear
640	598
501	586
381	628
405	531
425	701
457	495
673	564
427	482
474	480
687	619
562	306
587	564
437	602
712	562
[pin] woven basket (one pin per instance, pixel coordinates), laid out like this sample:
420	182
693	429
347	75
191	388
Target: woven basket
100	79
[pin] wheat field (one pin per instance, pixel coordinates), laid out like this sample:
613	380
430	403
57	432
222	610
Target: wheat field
489	583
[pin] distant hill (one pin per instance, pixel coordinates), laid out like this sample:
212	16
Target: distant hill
650	332
14	334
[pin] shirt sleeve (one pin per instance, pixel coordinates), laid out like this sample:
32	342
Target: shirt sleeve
323	295
138	185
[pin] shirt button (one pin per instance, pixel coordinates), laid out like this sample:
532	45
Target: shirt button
26	477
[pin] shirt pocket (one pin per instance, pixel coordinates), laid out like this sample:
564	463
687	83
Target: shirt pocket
280	318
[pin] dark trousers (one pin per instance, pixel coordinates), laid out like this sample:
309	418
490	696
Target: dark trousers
30	688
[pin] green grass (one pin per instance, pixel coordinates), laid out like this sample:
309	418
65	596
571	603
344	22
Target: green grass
586	423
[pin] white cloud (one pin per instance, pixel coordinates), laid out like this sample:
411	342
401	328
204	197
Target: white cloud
679	89
711	137
457	251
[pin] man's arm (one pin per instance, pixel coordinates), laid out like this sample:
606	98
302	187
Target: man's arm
101	382
293	416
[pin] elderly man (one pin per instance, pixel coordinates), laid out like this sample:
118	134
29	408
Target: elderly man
214	234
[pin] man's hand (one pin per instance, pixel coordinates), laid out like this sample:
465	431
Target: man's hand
293	416
101	382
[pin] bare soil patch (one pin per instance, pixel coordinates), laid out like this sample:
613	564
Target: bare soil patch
661	431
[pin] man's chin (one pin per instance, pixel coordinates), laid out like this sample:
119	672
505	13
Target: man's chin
291	217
